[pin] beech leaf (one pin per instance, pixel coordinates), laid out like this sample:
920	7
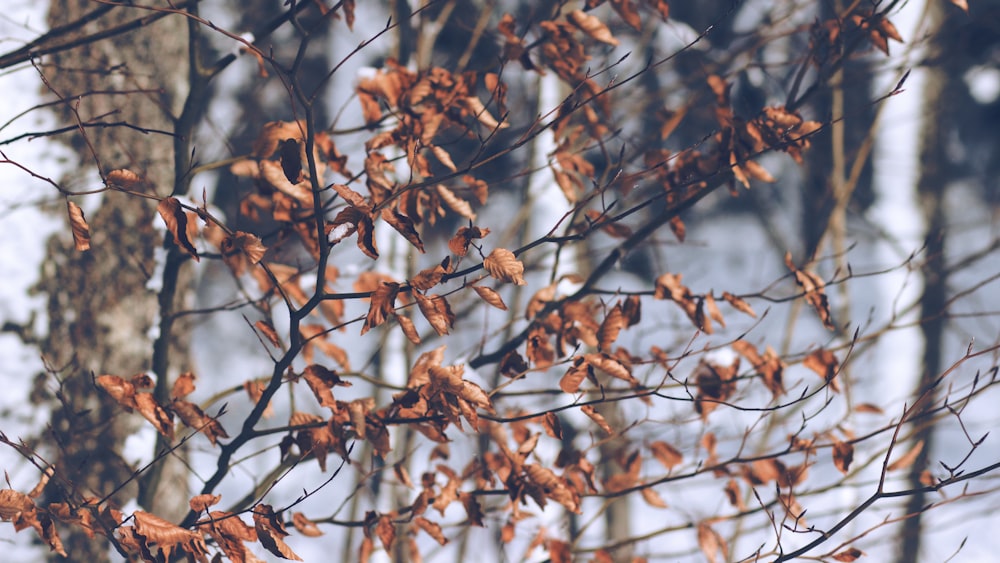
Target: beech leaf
81	230
504	266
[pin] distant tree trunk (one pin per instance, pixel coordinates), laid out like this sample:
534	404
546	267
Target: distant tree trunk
100	311
931	189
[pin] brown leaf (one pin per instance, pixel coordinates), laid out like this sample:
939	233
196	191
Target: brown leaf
305	526
120	390
409	330
433	529
455	203
652	497
678	228
81	230
320	381
843	455
597	418
504	266
825	364
192	415
848	555
666	454
868	408
713	310
711	543
201	503
166	535
812	285
490	296
176	220
437	311
247	243
962	5
124	179
383	303
738	304
592	26
269	332
613	324
908	458
270	531
404	226
153	412
571	381
459	244
183	385
428	278
475	105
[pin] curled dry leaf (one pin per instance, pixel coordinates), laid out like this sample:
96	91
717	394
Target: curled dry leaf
437	311
843	455
475	105
459	244
592	26
269	332
455	203
504	266
666	454
383	303
201	503
123	179
81	230
711	543
183	386
270	531
305	526
490	296
812	286
848	555
177	223
652	497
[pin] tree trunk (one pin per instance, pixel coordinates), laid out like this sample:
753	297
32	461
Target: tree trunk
931	188
100	310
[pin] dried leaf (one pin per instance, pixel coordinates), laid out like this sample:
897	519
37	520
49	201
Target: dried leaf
166	535
711	543
176	220
848	555
433	529
201	503
597	418
305	526
825	364
571	381
666	454
269	332
409	330
652	497
504	266
592	26
383	302
812	285
183	385
455	203
490	296
843	455
437	311
908	458
459	244
123	179
270	531
153	412
738	304
611	326
81	230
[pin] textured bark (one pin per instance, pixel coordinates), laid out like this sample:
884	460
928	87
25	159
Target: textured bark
100	310
931	188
